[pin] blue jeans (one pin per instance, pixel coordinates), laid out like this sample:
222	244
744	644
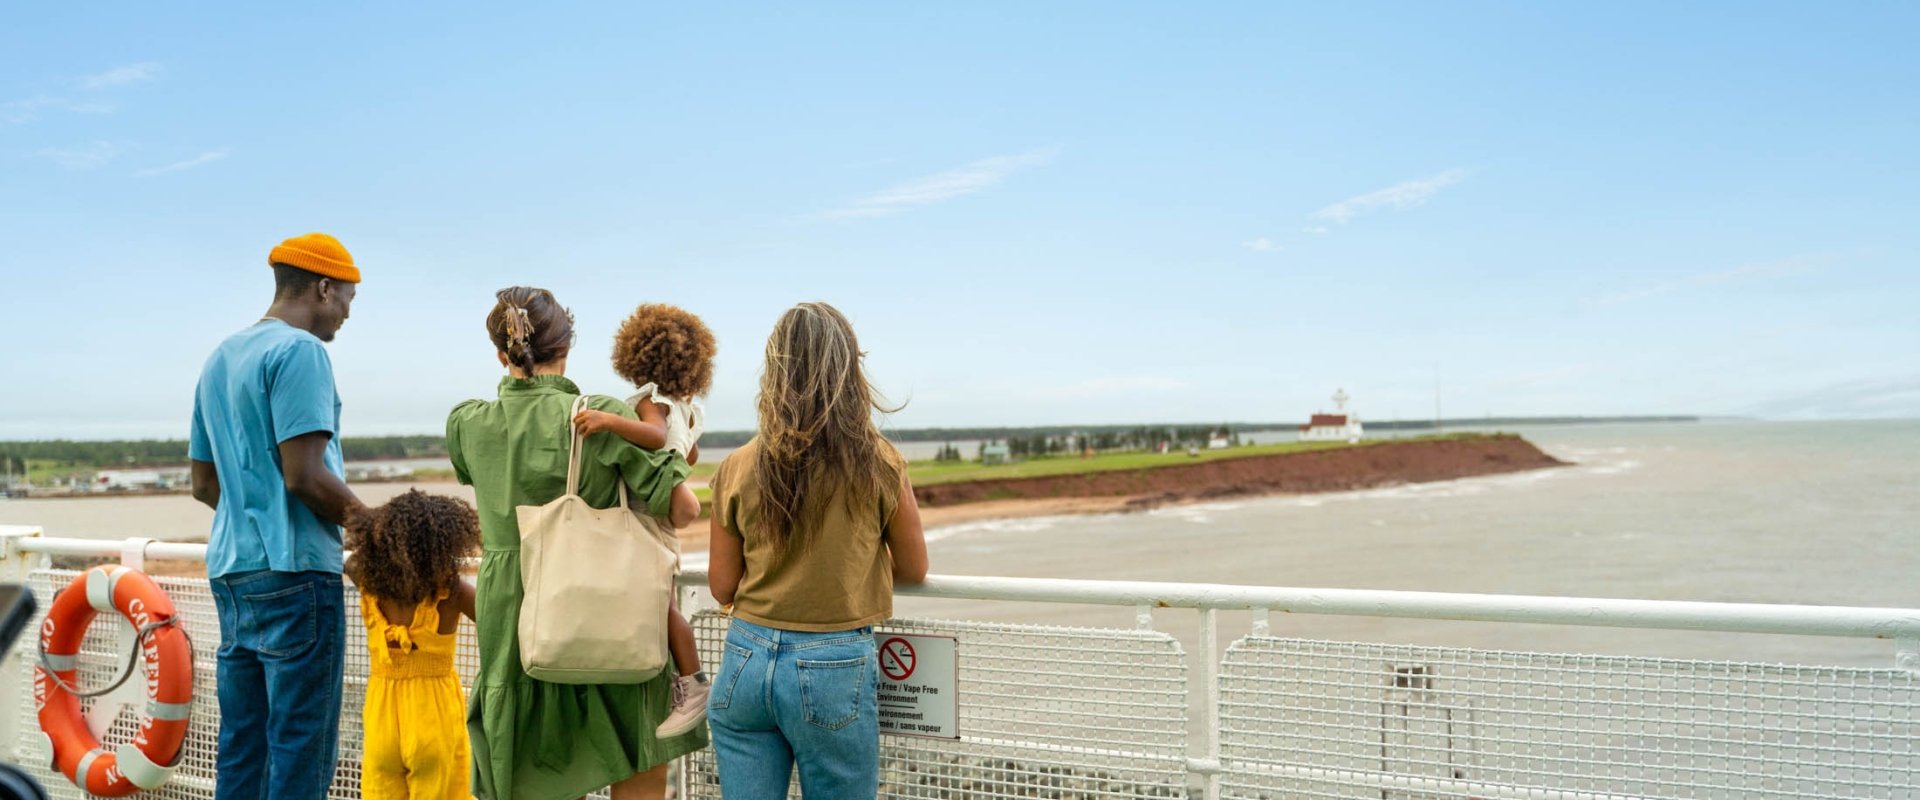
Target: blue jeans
282	639
787	698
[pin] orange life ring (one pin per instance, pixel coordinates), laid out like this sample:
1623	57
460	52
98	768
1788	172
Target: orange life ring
148	760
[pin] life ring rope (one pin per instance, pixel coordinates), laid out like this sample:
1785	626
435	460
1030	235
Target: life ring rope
54	665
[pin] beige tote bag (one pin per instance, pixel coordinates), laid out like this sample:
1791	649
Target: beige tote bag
597	581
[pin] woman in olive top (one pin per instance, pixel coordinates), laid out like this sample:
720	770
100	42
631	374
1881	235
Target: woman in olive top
534	740
814	521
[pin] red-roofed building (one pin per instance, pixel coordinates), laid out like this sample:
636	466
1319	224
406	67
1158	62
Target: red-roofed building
1333	427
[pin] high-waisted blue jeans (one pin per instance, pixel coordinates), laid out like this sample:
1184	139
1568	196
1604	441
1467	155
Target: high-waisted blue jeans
786	699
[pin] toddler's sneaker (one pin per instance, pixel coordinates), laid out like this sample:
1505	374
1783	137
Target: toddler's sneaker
689	705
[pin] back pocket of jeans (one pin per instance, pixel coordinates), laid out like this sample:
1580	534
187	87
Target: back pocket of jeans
731	665
284	623
830	691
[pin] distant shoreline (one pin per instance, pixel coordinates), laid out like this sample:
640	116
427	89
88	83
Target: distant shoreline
91	454
68	459
1397	425
1341	468
1335	469
1224	473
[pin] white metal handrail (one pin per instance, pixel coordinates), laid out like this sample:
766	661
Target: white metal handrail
24	549
1873	623
1801	620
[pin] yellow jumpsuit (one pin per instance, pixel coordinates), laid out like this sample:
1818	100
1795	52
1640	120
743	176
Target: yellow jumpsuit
415	716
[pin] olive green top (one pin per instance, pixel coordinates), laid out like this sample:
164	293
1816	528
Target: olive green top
534	740
518	444
840	580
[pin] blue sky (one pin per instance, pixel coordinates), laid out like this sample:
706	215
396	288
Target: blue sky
1034	213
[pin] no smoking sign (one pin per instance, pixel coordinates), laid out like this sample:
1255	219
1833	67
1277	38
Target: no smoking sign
917	695
896	658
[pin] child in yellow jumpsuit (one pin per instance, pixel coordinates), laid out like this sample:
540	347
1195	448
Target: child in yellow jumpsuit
406	562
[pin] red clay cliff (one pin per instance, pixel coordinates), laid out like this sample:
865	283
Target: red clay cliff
1381	463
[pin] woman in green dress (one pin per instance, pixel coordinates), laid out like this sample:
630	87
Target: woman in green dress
534	740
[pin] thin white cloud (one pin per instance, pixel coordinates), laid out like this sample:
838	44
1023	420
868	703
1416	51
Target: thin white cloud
21	112
1260	245
1398	196
1317	230
958	182
121	76
181	166
1110	387
92	155
1702	280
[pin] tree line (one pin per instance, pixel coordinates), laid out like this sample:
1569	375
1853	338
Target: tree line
1140	437
168	452
1009	434
1022	442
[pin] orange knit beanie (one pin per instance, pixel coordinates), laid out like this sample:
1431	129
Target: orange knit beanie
317	253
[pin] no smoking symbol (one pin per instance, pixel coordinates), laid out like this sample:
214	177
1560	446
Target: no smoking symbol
897	659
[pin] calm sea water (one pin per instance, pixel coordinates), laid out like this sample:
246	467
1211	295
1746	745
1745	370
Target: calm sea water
1823	513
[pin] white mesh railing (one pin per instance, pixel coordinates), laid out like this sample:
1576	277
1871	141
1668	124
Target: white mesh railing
1344	720
1049	712
1043	712
102	656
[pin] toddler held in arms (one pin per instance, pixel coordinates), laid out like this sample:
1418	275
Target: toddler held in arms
667	353
406	562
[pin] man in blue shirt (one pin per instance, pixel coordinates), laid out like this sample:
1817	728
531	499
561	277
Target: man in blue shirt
265	448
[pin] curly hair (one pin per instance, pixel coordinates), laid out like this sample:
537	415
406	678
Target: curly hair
666	346
409	549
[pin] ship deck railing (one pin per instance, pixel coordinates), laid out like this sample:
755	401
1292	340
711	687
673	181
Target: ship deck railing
1129	712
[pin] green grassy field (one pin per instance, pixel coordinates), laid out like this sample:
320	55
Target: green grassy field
44	471
929	473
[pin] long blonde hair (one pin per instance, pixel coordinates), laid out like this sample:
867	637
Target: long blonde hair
818	440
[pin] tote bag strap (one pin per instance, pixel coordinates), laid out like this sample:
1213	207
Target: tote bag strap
573	453
573	446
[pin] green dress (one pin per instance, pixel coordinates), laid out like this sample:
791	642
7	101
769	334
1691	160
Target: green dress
534	740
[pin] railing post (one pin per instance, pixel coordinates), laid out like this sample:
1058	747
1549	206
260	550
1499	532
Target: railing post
15	567
679	784
1906	654
1210	678
133	553
15	563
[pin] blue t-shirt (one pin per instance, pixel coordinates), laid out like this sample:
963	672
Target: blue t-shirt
263	386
